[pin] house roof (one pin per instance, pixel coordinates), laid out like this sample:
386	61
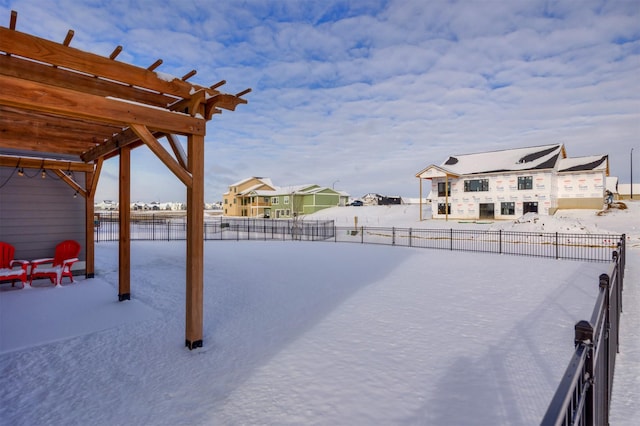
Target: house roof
594	162
265	180
259	190
509	160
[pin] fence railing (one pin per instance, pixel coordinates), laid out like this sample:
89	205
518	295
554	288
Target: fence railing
585	247
584	394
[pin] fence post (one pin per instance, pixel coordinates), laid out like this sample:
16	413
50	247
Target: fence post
393	236
584	336
500	249
362	234
410	237
619	276
451	239
557	245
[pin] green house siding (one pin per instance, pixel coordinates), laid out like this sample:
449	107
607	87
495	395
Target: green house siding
304	204
317	202
329	200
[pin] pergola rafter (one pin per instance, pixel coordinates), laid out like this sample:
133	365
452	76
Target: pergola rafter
63	109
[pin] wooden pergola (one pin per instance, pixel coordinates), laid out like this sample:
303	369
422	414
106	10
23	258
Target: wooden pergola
69	110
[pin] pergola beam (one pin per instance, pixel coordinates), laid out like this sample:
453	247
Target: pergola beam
38	49
43	163
178	151
147	137
13	66
72	183
34	96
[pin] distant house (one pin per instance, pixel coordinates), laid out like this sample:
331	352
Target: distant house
106	205
259	197
510	183
380	200
626	191
238	201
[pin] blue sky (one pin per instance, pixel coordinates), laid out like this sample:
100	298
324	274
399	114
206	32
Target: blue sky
361	95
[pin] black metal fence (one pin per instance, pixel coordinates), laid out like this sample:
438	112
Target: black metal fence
584	394
161	227
589	247
584	247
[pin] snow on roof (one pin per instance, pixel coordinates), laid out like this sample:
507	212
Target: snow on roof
266	181
576	164
251	189
538	157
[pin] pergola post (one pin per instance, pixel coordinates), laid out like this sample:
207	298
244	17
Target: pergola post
195	244
124	248
89	242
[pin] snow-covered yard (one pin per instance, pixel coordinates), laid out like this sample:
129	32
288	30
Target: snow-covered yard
314	333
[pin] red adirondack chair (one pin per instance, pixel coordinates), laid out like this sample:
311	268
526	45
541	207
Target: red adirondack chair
59	266
8	270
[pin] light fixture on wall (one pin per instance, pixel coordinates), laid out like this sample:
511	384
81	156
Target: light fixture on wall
20	170
75	194
43	173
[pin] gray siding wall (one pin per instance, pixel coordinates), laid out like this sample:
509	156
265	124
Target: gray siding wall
36	214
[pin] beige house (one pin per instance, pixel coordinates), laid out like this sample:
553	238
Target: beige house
239	201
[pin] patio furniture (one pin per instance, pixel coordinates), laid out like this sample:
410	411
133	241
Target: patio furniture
8	270
59	266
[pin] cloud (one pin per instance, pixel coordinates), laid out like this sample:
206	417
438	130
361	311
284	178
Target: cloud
370	92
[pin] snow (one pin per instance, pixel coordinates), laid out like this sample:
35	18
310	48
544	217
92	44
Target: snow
316	333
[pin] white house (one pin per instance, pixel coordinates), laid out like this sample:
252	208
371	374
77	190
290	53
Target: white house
509	183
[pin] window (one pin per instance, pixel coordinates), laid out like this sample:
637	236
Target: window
274	200
476	185
508	209
441	186
266	200
441	209
286	199
525	182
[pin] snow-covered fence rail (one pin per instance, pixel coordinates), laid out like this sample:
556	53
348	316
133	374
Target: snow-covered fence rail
268	229
589	247
586	247
584	394
169	228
